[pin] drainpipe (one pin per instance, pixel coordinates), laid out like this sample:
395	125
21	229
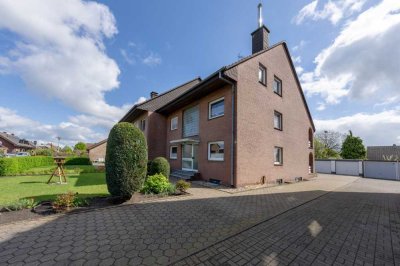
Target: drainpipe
233	126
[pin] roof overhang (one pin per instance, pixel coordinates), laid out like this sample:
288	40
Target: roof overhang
185	141
211	83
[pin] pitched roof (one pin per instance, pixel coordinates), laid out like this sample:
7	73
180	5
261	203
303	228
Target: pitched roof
14	140
227	68
162	99
381	153
94	145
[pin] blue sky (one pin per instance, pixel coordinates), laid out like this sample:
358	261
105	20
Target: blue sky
73	68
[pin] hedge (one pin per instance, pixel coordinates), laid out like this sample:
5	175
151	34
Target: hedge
78	161
17	165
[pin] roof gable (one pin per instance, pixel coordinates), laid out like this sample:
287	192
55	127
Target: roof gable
289	58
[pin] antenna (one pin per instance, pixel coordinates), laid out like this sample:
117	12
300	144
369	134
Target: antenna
260	20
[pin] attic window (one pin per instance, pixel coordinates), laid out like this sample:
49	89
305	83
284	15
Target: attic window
262	75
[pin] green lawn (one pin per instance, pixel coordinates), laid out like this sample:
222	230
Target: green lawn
18	187
69	169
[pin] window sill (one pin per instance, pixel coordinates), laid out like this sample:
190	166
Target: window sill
215	160
211	118
278	164
174	158
280	95
279	129
264	84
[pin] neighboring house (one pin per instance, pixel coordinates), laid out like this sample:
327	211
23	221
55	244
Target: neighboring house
97	151
13	144
383	153
246	123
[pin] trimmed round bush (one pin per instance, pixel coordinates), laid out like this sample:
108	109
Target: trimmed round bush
159	165
156	184
126	160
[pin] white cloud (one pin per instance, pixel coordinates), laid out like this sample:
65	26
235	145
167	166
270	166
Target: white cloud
332	10
69	132
152	60
128	58
60	53
362	62
140	100
381	128
300	46
299	70
321	106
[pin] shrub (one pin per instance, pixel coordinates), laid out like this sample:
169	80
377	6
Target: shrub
78	161
42	152
21	204
182	185
126	160
68	200
159	165
16	165
80	146
156	184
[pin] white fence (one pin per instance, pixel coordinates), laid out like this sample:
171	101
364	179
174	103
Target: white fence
370	169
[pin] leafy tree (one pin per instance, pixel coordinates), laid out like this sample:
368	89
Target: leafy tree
80	146
67	149
353	147
126	160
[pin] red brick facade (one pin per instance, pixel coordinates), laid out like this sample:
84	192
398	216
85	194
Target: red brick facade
247	126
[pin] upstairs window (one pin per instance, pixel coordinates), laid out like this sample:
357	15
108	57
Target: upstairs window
216	108
310	138
190	122
278	156
262	75
174	123
277	120
278	86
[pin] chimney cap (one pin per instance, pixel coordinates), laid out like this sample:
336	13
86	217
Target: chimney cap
153	94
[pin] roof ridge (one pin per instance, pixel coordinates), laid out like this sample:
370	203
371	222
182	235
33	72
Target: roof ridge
161	94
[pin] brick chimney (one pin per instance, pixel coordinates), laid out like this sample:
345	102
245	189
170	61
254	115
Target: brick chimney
153	94
259	37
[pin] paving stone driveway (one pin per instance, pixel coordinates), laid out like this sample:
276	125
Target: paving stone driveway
212	227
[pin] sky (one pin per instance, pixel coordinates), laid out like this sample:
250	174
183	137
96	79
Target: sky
73	68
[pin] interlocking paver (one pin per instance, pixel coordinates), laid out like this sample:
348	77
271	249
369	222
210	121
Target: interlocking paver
354	225
359	224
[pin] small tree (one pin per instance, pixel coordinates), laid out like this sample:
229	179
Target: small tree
159	165
80	146
126	160
353	147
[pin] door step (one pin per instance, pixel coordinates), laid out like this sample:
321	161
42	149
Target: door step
181	174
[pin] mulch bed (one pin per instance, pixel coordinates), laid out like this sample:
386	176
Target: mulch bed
45	207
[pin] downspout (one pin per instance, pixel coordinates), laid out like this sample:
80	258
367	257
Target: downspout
233	127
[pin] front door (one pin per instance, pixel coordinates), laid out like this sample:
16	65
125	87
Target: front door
189	157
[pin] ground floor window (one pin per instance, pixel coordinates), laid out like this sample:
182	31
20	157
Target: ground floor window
278	156
216	151
173	152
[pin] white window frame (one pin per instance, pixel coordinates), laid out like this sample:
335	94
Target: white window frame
281	156
278	114
263	79
170	153
209	151
172	119
209	108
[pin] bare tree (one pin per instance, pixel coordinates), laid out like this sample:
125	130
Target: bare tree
332	140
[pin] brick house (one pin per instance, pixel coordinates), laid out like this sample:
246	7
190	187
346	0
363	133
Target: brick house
12	144
97	151
246	123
